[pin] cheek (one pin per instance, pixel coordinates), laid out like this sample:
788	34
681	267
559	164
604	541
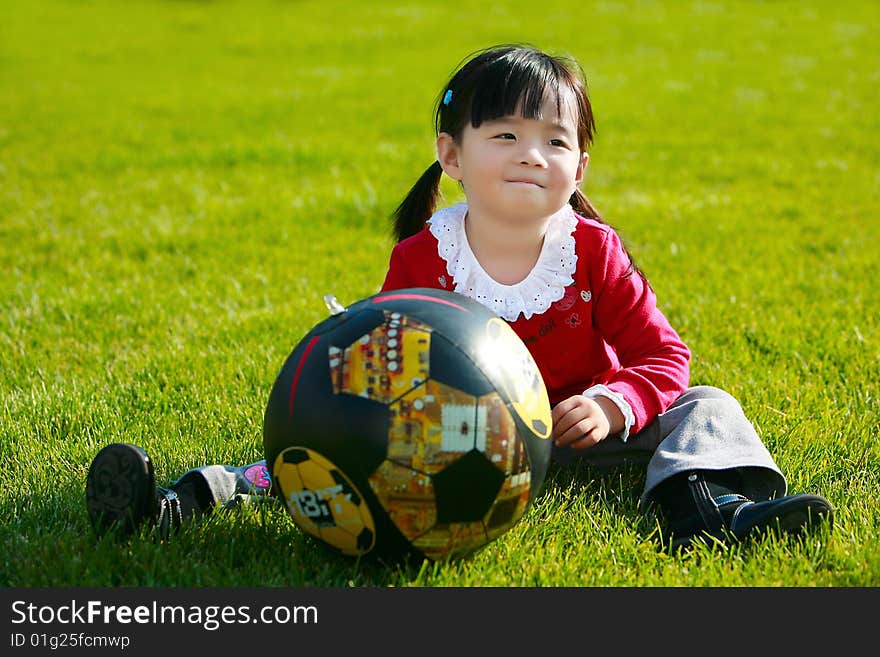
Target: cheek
489	166
567	171
574	169
476	159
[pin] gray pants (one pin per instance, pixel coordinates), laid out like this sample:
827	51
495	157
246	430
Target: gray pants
230	485
704	429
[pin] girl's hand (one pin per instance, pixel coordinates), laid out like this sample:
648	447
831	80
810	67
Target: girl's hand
582	422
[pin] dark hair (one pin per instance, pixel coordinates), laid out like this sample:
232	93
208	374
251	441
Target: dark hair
490	84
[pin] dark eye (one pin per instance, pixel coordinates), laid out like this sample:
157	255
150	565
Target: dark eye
506	135
558	142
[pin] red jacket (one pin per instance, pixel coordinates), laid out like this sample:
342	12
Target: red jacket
606	329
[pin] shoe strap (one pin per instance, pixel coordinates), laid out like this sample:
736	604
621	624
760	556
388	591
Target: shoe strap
733	497
706	505
170	512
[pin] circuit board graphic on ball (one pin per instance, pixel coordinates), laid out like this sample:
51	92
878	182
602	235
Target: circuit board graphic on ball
411	422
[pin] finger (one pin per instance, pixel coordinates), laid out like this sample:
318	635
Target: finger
578	413
564	423
562	409
586	441
576	432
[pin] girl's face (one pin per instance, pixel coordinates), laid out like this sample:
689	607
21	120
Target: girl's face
517	169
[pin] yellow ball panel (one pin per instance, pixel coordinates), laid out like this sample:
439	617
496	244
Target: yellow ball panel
432	426
291	485
407	496
342	540
316	476
502	445
451	540
385	363
510	504
347	514
319	505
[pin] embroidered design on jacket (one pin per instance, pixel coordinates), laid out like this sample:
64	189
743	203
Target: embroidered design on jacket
567	300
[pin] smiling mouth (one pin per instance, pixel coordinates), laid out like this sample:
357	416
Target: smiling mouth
517	181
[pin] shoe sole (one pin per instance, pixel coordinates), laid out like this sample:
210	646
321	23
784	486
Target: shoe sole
120	488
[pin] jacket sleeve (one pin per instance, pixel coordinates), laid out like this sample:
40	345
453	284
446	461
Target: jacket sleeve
653	359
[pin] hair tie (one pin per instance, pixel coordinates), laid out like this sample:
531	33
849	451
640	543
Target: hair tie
447	97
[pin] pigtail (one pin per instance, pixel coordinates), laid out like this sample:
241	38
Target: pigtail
583	206
419	204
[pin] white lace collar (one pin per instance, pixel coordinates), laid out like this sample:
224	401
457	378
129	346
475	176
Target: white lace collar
533	295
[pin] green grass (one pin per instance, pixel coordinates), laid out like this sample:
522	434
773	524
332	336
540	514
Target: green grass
182	182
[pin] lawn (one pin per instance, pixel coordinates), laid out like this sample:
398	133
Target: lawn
182	182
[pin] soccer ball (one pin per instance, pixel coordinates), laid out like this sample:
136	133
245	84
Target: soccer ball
413	422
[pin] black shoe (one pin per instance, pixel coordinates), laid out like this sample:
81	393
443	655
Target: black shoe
733	517
793	515
740	518
121	492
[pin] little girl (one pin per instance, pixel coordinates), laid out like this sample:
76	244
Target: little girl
513	125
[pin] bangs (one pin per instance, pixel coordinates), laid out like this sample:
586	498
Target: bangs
517	84
514	81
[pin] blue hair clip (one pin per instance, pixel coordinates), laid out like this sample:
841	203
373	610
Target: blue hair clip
447	97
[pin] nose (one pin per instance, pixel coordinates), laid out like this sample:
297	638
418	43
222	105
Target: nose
531	155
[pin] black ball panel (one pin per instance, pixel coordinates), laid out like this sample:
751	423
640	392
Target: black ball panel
466	489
